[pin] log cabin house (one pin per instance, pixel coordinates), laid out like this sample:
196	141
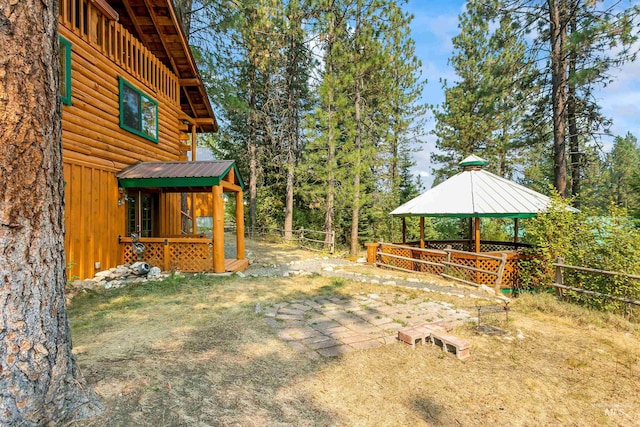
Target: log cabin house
133	103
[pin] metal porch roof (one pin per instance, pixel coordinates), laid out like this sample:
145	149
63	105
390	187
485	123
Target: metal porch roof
177	176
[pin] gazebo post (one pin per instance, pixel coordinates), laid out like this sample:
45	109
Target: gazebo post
477	233
470	245
421	232
515	232
404	230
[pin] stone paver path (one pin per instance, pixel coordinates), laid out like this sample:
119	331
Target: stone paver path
330	326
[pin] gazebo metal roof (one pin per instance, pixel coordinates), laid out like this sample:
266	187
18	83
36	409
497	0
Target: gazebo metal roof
475	193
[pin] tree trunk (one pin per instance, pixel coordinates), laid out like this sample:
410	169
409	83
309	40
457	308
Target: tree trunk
331	144
574	145
39	381
253	161
355	213
292	115
558	30
288	213
183	9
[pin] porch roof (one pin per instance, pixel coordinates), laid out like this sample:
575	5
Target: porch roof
180	177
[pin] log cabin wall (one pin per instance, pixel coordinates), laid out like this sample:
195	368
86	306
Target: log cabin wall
94	144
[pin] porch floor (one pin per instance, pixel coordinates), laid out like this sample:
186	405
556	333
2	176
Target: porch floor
235	265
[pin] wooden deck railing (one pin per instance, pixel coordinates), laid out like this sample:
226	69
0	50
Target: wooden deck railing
471	268
188	254
89	21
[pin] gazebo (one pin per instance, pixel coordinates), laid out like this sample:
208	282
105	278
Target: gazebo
474	193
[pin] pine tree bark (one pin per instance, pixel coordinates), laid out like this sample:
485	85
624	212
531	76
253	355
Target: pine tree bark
558	30
39	381
253	152
357	147
331	143
292	118
574	142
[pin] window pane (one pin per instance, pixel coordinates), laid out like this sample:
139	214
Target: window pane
131	107
149	117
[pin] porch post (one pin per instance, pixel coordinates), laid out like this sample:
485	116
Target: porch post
218	230
239	226
477	233
194	226
421	232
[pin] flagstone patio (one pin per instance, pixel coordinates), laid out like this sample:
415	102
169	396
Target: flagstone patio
331	326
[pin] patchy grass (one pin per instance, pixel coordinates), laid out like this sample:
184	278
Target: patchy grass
191	351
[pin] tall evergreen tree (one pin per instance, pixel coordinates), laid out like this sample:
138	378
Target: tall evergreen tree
484	111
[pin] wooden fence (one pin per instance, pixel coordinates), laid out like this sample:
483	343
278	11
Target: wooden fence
559	281
313	240
466	267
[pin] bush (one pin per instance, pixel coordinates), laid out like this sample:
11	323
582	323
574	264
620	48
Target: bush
610	242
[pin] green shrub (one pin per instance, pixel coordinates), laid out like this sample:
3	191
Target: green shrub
610	242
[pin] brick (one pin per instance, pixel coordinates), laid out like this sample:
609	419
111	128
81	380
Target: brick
414	335
381	321
335	351
292	311
363	345
315	339
324	344
297	346
301	307
459	347
355	338
289	316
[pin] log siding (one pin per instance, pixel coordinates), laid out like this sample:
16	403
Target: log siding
94	144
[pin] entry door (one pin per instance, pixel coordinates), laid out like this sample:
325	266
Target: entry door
142	213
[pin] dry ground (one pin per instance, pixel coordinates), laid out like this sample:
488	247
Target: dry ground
191	351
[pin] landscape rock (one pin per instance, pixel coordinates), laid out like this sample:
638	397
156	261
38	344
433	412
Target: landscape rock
329	268
240	274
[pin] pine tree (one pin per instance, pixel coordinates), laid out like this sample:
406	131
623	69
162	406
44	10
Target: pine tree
484	112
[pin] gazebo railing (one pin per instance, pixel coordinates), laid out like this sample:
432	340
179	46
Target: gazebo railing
466	245
467	267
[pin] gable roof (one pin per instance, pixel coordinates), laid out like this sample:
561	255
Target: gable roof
156	25
197	176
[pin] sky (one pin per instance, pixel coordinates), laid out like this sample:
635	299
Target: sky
435	23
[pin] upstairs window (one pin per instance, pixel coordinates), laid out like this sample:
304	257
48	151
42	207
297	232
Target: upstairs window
138	112
65	71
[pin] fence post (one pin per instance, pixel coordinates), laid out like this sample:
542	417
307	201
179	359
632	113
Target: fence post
301	236
559	279
503	263
447	249
333	242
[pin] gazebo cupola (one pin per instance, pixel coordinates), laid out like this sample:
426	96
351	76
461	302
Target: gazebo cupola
473	163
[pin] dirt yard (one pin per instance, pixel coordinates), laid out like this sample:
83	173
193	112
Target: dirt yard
193	351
